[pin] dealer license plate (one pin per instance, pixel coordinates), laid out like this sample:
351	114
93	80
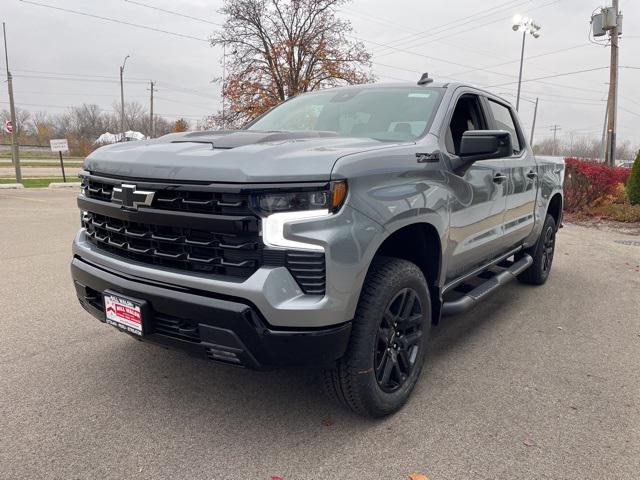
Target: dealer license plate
123	313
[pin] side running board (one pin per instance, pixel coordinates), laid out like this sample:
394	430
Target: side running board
469	299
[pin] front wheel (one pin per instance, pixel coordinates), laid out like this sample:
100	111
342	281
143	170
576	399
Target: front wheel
387	346
542	253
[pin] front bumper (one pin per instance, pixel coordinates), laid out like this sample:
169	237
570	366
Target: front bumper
221	328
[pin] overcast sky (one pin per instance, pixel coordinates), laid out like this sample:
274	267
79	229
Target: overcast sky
59	58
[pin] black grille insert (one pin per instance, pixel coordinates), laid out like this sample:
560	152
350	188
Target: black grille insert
177	198
176	247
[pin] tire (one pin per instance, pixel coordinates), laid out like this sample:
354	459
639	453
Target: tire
389	328
542	253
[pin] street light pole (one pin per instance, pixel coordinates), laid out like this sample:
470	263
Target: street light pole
533	125
524	37
527	25
122	126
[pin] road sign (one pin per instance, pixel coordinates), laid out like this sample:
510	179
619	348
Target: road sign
8	126
59	145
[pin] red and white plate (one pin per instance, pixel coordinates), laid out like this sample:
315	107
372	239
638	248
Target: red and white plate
123	313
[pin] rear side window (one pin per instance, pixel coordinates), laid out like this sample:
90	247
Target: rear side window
504	121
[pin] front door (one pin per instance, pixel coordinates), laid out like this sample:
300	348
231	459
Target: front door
478	195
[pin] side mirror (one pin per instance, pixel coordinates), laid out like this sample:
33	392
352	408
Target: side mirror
484	145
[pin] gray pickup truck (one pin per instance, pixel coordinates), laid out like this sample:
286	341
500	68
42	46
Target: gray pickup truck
332	231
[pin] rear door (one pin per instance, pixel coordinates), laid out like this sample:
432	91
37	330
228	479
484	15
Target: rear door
522	172
478	194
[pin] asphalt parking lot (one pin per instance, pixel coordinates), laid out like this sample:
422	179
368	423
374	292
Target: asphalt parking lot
535	383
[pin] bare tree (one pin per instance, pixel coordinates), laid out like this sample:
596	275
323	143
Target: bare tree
281	48
136	117
88	121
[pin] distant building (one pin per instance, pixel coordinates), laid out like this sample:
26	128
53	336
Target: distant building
129	135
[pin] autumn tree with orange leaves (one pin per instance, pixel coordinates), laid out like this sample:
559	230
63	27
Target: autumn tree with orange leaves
277	49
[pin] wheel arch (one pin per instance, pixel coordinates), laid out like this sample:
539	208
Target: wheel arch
555	208
421	244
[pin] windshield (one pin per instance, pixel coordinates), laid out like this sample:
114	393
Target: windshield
386	113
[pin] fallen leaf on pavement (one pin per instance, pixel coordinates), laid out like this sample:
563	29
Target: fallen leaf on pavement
418	476
528	441
327	421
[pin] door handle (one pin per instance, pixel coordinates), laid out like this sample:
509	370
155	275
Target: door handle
532	175
499	178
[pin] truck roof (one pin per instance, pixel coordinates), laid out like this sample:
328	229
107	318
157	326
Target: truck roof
434	84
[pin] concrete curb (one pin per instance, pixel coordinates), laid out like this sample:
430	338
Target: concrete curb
64	185
8	186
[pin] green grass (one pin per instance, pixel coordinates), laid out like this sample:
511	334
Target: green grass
37	182
38	155
56	163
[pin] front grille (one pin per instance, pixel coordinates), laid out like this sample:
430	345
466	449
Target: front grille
176	247
191	227
179	198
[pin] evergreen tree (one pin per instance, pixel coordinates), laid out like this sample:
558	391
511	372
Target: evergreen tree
633	183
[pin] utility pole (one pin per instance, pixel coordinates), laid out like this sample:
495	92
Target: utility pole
555	129
603	142
122	126
533	125
15	153
151	132
613	89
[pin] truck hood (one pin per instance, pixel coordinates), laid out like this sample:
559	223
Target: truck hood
242	156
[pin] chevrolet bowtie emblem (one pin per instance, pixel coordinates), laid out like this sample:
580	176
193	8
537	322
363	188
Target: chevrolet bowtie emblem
131	198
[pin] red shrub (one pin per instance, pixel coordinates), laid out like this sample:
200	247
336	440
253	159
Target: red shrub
587	183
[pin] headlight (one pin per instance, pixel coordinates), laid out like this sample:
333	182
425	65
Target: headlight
330	197
284	206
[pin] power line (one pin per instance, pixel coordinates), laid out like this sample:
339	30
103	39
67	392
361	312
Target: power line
441	28
597	103
166	85
531	57
75	94
77	74
550	76
106	110
171	12
404	50
629	111
77	79
480	25
115	20
179	101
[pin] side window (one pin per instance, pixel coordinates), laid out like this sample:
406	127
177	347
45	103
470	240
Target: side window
466	116
504	121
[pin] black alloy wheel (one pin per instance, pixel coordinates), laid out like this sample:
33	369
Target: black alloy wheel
542	254
549	244
398	340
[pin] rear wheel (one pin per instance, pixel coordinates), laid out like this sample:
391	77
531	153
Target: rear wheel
542	253
387	346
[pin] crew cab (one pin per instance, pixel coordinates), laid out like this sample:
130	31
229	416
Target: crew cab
333	231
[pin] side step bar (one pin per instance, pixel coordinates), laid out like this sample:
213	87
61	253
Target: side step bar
469	299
